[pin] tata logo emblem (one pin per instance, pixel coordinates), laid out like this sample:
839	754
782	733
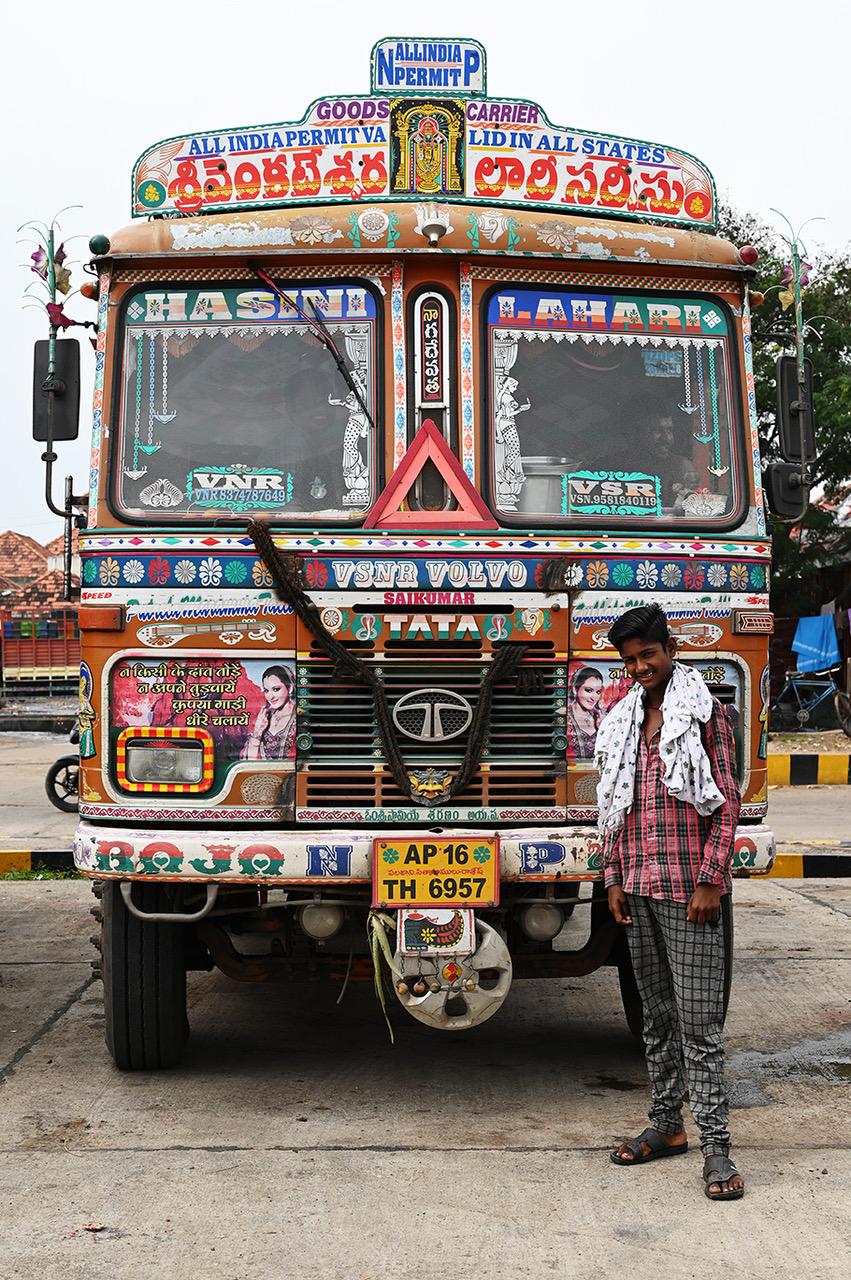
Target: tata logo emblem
432	715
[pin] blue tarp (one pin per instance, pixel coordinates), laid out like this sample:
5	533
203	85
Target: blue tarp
815	643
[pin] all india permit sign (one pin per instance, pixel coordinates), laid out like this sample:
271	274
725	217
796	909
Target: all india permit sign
426	130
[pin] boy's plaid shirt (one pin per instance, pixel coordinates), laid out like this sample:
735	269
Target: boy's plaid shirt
665	847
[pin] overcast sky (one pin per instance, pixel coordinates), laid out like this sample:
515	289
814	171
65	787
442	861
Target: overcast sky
757	89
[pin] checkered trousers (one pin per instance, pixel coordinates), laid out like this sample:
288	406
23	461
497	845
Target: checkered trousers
679	969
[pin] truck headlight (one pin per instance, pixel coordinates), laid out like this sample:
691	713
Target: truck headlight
164	760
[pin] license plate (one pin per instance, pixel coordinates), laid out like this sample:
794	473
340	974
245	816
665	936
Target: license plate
436	873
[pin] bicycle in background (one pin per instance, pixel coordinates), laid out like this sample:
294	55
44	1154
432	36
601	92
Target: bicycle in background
804	692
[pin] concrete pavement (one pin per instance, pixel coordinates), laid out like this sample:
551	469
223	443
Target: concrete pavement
27	818
296	1142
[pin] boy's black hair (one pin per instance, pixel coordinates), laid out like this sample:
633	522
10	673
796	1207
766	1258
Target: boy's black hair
648	622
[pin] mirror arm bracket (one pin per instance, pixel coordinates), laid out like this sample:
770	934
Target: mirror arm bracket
66	512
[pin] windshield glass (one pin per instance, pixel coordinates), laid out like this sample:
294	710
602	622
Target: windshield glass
612	406
230	403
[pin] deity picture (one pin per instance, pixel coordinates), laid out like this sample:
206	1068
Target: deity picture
427	155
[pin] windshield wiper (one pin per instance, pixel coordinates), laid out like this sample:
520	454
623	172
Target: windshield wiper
318	327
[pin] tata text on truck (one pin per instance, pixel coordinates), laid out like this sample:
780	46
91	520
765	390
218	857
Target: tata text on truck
487	382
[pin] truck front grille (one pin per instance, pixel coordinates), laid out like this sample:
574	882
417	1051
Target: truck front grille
524	749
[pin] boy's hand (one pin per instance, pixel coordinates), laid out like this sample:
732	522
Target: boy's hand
704	905
618	905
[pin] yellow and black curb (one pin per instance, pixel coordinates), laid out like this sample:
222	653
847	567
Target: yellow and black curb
790	770
818	860
35	860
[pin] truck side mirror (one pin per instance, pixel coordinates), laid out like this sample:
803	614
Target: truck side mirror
56	402
795	410
784	490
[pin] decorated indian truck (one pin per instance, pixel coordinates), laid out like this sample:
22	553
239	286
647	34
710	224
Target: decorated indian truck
397	408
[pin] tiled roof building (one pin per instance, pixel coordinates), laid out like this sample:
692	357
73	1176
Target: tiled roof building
31	574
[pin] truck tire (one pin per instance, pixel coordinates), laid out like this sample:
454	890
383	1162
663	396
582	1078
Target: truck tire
632	1003
144	980
61	783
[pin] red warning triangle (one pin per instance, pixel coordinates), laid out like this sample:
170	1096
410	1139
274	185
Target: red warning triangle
429	444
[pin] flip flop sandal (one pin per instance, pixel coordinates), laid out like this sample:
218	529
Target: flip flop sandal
720	1169
659	1149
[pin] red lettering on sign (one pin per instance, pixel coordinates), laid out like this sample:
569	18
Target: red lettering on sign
185	190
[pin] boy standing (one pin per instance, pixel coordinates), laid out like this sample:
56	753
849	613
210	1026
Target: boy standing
668	808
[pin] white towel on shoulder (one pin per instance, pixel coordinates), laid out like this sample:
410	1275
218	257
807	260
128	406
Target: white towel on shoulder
687	772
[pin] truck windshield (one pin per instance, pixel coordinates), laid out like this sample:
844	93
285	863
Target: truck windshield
231	404
610	406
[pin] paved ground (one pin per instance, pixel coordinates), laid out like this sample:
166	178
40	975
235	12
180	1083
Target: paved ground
817	740
804	814
296	1142
28	821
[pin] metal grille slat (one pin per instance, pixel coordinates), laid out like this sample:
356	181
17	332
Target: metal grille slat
344	764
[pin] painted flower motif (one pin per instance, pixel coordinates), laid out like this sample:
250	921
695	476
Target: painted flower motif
671	575
597	573
315	573
314	229
738	577
158	571
647	575
693	577
428	935
758	577
185	572
717	575
481	854
391	855
373	224
109	572
210	572
90	571
235	571
133	571
260	575
622	574
555	235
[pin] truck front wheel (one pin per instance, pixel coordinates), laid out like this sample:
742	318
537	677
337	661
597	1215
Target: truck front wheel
144	980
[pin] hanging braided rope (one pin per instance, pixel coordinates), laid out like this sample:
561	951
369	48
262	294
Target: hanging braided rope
286	574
